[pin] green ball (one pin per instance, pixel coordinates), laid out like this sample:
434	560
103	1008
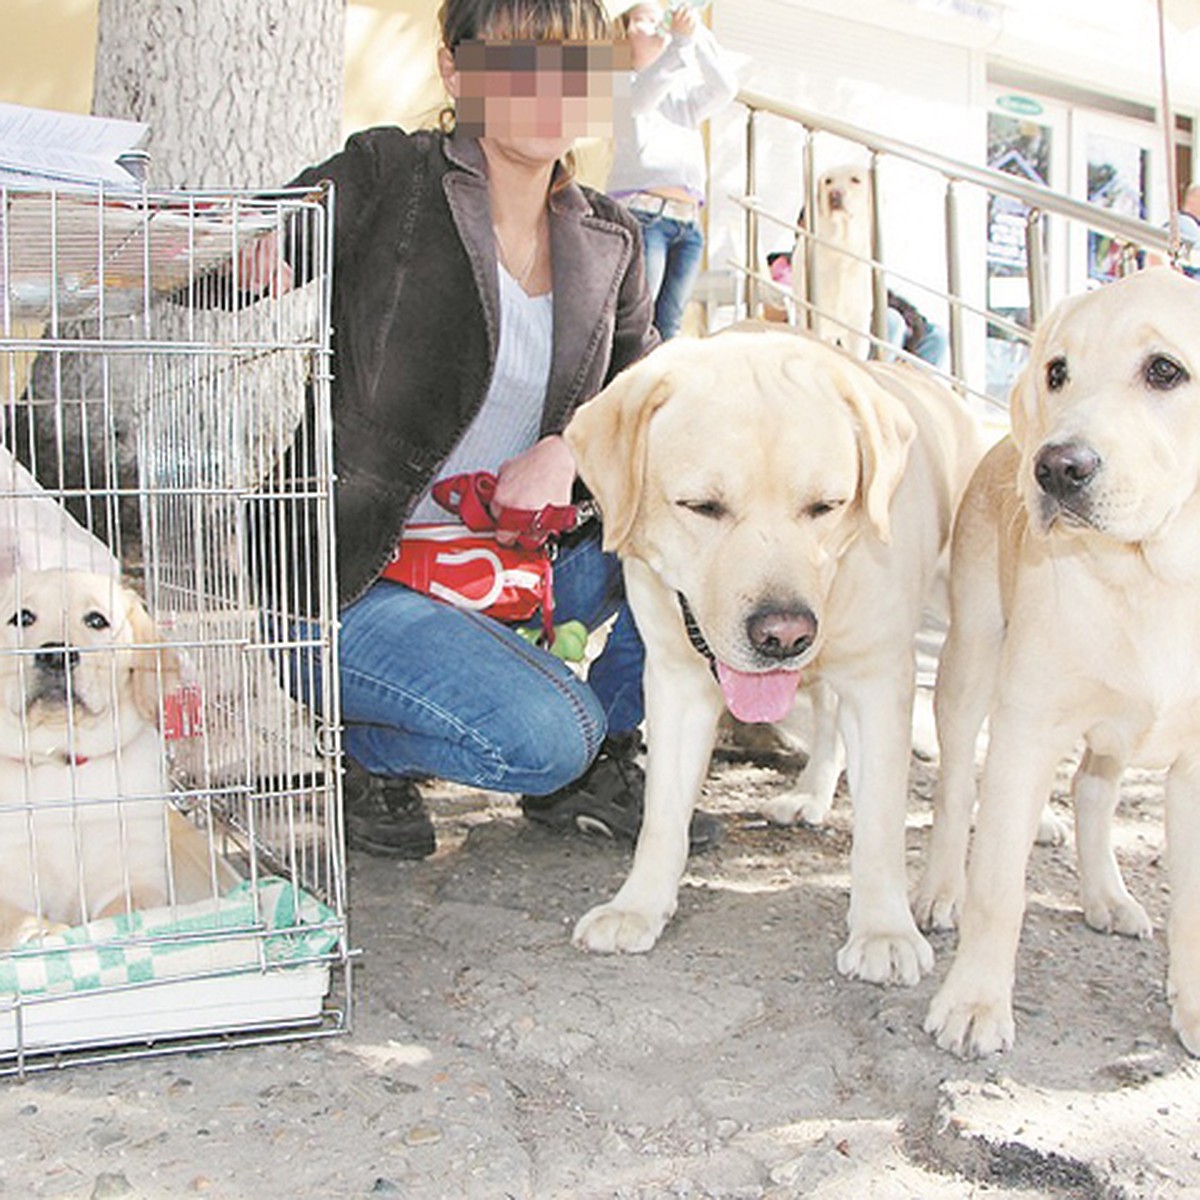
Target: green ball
570	641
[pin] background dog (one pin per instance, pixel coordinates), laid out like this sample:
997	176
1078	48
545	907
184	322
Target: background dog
1075	585
842	278
784	508
83	792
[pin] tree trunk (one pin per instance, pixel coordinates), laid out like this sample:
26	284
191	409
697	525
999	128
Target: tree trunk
236	92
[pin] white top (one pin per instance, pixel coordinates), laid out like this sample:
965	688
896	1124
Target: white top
656	135
510	419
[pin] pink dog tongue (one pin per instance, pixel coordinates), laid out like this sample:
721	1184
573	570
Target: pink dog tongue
758	696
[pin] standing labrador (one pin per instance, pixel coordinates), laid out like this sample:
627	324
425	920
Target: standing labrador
843	285
781	510
1075	592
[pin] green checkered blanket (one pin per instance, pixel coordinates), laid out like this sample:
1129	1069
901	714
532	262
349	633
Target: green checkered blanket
268	924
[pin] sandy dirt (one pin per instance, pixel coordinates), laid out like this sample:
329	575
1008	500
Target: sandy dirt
489	1058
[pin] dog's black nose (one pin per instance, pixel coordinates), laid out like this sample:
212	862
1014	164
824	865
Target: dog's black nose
782	634
1064	469
55	656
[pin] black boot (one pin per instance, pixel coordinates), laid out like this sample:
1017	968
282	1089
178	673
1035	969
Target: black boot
608	799
385	816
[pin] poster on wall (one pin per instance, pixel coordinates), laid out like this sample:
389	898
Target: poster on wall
1116	179
1018	144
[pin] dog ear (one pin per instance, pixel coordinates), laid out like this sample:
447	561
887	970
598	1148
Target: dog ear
607	436
1027	400
157	667
885	436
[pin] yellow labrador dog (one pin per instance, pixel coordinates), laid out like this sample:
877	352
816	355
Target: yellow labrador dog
1075	593
83	792
780	509
841	259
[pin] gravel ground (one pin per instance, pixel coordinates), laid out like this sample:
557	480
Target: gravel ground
491	1059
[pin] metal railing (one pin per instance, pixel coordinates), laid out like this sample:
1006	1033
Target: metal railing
1044	206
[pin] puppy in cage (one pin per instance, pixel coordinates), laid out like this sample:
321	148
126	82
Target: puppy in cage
84	812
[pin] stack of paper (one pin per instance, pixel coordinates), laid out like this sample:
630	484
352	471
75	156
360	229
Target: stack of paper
40	147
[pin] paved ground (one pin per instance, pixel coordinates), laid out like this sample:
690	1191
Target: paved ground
491	1059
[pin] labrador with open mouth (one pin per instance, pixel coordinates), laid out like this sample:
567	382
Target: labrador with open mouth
780	509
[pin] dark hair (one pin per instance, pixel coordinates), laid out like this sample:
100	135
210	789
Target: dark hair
524	20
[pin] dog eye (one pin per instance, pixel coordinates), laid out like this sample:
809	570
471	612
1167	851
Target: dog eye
1057	374
822	507
95	620
22	619
1163	373
713	509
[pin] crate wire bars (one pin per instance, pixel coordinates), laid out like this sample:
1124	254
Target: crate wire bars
154	407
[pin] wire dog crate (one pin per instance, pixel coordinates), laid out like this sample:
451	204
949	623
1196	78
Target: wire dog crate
172	864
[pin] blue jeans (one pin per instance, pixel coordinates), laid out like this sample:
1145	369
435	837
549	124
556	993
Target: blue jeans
428	689
674	250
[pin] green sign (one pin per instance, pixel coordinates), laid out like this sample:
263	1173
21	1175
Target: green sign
1024	106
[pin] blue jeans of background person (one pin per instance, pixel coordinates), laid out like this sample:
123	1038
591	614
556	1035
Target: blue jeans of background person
428	689
674	250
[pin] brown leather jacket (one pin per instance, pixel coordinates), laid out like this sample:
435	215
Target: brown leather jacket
416	313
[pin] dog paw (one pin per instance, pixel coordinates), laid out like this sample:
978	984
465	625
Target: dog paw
1185	1010
1118	914
970	1028
1185	1020
796	807
33	928
936	906
886	958
607	929
1052	829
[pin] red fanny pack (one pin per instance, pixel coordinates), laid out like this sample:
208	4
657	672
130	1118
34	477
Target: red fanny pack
472	570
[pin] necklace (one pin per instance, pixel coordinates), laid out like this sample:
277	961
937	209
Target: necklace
531	260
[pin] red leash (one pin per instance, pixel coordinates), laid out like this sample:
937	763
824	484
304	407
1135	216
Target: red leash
470	496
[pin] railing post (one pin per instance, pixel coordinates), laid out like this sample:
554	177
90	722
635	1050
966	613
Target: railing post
810	223
1035	265
751	291
878	283
954	281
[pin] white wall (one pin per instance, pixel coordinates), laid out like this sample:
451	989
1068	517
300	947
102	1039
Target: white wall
917	71
915	90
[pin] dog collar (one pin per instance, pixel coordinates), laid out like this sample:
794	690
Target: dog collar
55	756
694	635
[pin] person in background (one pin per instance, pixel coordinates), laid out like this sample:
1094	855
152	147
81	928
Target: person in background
480	296
681	77
910	330
1189	230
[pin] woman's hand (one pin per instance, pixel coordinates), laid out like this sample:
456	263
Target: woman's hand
543	475
262	269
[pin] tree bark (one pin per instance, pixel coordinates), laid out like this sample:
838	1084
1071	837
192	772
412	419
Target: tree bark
236	92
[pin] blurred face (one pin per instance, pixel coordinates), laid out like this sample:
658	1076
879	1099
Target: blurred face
646	37
537	96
